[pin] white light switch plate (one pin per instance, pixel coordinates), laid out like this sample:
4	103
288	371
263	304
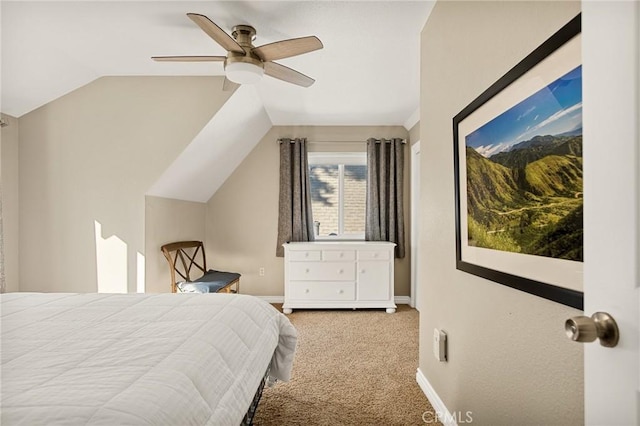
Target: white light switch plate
440	345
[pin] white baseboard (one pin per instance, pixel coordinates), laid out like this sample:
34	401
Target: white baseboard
272	299
399	300
402	300
438	405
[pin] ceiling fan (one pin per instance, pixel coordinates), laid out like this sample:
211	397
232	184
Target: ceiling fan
246	64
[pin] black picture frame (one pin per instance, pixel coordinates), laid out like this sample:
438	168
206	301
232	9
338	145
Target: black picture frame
556	290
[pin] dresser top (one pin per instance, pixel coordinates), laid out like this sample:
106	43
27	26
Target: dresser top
339	244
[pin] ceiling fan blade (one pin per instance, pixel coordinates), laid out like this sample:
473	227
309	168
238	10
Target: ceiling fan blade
216	33
189	58
287	74
229	85
287	48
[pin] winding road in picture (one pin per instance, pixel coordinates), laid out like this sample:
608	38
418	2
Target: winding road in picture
524	175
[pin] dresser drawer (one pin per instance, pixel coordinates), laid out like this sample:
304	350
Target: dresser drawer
373	255
302	255
322	271
302	290
328	255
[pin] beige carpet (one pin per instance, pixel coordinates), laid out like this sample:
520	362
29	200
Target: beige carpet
351	368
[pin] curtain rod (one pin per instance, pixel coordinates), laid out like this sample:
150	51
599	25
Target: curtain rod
404	141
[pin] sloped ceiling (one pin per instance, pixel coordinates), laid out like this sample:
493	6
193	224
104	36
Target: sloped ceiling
367	73
217	150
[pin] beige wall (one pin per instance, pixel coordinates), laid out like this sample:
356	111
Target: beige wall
86	161
10	213
509	360
167	221
242	217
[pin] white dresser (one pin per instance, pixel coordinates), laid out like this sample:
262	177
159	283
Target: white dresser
344	274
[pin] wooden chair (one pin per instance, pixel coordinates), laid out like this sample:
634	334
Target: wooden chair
187	258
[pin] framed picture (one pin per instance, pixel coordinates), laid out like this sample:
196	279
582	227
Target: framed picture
518	170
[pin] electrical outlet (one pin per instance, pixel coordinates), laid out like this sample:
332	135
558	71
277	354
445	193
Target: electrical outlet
440	345
261	272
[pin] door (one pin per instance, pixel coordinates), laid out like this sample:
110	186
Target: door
612	195
415	222
373	280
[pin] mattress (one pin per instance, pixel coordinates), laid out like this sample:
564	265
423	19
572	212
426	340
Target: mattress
164	359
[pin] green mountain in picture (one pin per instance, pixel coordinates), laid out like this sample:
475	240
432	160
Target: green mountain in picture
554	175
528	199
540	146
490	185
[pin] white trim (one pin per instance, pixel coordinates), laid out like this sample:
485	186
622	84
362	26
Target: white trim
341	199
412	120
358	238
441	410
415	222
402	300
398	300
337	158
272	299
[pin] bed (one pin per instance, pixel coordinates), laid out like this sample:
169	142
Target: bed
163	359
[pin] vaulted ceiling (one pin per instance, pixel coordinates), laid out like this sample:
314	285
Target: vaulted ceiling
366	74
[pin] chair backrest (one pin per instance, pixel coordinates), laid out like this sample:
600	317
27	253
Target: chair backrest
183	257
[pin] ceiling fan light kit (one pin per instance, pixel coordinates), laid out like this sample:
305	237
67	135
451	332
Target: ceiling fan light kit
244	72
246	64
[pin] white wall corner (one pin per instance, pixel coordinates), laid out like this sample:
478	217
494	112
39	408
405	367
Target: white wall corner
412	120
441	410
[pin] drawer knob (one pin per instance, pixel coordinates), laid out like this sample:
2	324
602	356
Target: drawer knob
306	290
340	291
375	254
341	254
306	270
340	271
306	254
362	271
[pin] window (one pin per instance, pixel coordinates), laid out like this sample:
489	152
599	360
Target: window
338	194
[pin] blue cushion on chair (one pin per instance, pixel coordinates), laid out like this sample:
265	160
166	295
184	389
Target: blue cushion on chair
210	282
190	287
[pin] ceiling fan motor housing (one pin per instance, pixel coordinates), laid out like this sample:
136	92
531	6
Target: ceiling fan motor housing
244	35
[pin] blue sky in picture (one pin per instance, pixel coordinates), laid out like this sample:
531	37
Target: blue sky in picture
553	110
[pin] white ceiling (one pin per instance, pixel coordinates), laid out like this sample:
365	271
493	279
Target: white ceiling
367	73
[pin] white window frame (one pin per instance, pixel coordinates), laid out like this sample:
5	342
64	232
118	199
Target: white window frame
340	159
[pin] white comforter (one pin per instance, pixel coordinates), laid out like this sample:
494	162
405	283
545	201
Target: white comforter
166	359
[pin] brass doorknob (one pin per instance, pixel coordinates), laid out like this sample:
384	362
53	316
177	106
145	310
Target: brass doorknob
587	329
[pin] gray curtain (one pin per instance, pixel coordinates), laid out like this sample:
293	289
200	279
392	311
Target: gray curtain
385	203
295	221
